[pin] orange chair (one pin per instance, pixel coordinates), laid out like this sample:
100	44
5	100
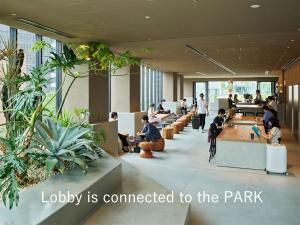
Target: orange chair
158	145
146	149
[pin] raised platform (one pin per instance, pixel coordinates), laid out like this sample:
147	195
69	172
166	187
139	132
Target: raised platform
103	177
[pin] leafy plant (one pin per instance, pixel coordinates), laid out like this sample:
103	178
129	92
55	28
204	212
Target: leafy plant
61	145
11	167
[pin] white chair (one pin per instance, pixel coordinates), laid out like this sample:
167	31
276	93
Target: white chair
276	159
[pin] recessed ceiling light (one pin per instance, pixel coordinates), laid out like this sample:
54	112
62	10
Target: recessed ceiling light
147	17
195	1
292	40
13	14
255	6
288	47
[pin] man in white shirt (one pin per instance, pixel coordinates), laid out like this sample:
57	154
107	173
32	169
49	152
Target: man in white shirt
202	109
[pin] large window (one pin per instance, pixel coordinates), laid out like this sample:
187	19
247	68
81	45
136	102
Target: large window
51	88
24	41
217	89
244	87
151	87
200	87
4	34
266	88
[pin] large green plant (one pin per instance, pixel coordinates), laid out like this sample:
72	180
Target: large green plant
61	145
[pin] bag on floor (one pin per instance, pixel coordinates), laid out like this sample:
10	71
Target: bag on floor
136	149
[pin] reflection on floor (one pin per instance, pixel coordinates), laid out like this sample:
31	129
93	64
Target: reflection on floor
184	167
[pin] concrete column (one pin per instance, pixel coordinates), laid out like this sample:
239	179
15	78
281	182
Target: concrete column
170	89
125	89
90	93
188	88
179	87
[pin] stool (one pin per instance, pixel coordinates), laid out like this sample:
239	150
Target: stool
146	148
183	120
158	145
167	132
182	124
176	127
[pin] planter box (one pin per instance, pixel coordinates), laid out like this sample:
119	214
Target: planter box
104	176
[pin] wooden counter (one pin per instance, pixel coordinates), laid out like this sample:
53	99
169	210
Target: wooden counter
236	149
250	108
246	120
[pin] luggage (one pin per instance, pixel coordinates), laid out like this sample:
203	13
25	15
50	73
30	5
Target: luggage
195	122
276	159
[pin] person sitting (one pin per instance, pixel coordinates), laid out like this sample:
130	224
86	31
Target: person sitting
148	133
151	110
123	137
183	106
230	101
266	117
218	122
258	98
274	136
231	113
161	108
272	103
235	99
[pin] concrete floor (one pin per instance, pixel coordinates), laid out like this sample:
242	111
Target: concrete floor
135	182
184	167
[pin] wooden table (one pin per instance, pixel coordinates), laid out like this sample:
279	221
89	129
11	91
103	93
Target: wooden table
236	149
246	120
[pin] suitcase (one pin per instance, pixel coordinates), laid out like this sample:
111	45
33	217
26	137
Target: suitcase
276	159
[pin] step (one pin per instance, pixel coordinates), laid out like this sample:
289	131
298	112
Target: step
135	182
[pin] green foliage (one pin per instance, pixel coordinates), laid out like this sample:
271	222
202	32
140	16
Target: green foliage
11	167
60	145
38	45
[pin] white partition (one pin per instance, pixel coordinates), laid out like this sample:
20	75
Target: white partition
219	103
173	106
130	122
111	145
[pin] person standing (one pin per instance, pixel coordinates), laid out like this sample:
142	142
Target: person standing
202	109
230	101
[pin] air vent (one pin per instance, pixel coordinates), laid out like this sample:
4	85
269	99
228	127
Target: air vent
46	28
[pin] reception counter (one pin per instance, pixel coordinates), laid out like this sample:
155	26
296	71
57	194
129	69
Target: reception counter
236	149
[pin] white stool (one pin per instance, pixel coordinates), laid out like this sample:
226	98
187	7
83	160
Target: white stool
276	159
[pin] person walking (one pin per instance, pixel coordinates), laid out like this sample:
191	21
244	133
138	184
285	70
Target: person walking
202	109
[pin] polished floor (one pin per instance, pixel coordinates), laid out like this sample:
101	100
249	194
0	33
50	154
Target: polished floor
184	167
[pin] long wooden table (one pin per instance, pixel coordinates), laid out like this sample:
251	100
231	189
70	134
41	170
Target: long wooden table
236	149
245	120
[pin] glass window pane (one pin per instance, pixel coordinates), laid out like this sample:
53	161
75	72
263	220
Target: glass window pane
25	41
51	88
200	88
265	89
4	34
244	87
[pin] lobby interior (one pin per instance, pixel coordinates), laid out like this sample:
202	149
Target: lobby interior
183	49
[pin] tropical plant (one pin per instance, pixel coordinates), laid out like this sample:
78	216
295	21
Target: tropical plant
12	166
61	145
